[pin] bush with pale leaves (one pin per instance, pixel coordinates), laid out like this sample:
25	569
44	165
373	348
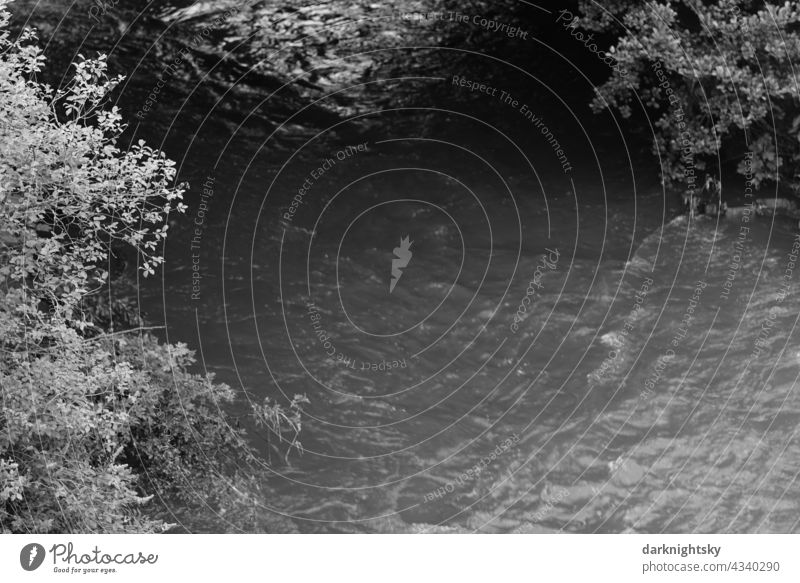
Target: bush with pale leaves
110	431
716	78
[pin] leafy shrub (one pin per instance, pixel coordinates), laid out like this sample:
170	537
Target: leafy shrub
101	431
63	175
711	74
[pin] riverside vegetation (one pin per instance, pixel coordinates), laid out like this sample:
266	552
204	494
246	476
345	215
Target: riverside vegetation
106	429
717	79
103	429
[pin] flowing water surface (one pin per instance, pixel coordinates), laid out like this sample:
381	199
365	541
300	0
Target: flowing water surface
561	351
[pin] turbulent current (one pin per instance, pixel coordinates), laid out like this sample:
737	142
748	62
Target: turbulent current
536	367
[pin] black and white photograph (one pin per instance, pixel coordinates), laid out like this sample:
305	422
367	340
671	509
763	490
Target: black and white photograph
278	268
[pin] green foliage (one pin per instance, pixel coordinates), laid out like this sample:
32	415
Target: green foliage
100	431
63	174
68	406
723	68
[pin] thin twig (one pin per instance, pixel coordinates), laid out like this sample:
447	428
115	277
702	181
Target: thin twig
110	334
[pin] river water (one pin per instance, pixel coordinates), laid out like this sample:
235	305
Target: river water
562	350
